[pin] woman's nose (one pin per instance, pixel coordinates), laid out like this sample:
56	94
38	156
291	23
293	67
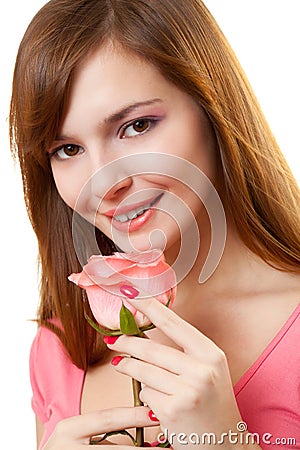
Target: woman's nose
111	180
118	189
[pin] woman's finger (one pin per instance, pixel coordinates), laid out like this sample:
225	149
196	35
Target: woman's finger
181	332
194	374
99	422
152	352
154	399
155	377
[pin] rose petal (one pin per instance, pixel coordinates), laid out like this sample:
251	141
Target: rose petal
149	258
151	280
103	276
81	279
106	307
98	266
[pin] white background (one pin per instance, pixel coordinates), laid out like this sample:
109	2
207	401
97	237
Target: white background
265	35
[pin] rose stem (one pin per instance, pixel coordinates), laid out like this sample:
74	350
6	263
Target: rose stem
136	387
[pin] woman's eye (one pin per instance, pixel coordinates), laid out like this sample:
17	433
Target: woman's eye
137	127
67	151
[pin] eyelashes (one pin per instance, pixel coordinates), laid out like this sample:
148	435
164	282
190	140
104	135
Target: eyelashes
138	127
66	151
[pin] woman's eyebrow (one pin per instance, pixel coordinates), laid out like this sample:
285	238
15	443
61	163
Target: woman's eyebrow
119	115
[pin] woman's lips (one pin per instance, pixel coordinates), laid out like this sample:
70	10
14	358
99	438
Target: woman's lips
137	222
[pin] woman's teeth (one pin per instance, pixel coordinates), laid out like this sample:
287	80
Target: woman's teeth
133	214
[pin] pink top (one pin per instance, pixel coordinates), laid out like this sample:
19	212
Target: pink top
268	394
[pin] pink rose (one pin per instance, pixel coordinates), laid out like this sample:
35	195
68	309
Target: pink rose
103	276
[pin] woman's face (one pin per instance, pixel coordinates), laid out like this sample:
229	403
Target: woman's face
124	126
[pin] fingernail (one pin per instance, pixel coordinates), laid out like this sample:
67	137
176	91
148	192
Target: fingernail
116	360
110	339
129	291
152	416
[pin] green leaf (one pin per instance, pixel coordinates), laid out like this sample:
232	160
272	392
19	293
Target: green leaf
127	322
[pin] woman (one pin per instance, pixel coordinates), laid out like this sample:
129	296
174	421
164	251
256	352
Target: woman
98	83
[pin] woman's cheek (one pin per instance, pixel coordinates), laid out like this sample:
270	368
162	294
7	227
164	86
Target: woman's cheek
68	187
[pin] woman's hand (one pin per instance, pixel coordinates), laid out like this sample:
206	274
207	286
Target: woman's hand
189	390
76	432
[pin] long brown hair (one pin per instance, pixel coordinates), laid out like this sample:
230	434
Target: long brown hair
183	41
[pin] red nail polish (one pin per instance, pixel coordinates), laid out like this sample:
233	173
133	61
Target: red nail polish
129	291
116	360
152	416
110	339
